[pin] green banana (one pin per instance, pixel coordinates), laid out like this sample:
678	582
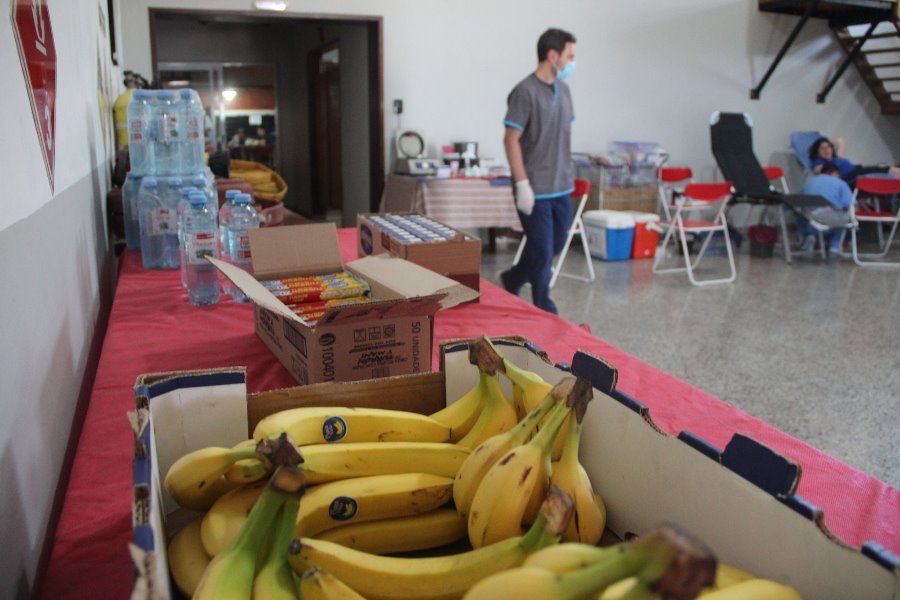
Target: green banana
275	580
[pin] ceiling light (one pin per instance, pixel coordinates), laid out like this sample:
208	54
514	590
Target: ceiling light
274	5
229	95
179	83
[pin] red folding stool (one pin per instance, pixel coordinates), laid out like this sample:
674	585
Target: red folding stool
880	187
698	196
672	181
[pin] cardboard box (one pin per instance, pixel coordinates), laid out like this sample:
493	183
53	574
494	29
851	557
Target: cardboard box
391	336
458	259
741	500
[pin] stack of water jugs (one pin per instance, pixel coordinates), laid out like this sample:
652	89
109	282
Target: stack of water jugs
170	199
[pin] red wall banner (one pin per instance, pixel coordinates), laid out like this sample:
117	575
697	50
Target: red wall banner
37	53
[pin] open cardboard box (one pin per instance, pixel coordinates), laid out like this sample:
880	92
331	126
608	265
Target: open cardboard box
458	258
391	336
739	500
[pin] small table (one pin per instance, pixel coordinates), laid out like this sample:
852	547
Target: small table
462	202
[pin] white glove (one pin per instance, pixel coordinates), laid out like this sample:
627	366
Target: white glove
524	196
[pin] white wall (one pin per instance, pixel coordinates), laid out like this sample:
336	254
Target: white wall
53	255
646	70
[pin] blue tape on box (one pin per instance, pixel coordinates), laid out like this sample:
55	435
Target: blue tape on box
761	466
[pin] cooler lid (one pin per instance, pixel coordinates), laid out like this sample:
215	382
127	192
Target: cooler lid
644	217
611	219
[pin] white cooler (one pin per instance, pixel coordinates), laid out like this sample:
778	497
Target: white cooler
610	233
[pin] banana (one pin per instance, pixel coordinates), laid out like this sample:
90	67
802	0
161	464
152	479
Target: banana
316	584
529	389
433	578
500	502
562	558
497	415
318	425
223	522
196	480
727	575
325	462
370	498
569	476
401	534
753	589
462	414
187	558
275	580
490	451
666	559
246	471
231	572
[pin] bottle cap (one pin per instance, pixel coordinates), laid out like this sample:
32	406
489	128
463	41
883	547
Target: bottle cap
187	191
229	194
199	180
150	181
165	95
243	199
141	94
197	199
186	94
174	181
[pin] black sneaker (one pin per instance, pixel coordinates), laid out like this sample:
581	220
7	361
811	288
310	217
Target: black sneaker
507	284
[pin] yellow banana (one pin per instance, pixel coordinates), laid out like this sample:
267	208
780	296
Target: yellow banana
275	580
196	479
461	415
497	414
665	558
562	558
225	518
316	584
569	476
320	425
499	505
754	589
529	389
326	462
621	589
231	572
370	498
727	575
434	578
247	471
401	534
187	558
482	458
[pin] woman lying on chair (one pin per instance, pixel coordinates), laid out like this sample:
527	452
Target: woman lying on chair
824	152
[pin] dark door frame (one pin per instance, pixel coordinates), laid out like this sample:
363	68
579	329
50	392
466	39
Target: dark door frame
313	59
375	30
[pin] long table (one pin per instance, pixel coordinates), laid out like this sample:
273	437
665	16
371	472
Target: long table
153	328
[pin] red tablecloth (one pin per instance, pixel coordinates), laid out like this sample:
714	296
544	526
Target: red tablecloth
153	328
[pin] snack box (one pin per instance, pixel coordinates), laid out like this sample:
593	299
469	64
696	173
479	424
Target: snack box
390	336
740	501
424	241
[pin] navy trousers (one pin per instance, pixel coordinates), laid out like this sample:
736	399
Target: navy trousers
546	228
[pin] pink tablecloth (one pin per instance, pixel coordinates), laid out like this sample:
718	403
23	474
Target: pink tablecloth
153	328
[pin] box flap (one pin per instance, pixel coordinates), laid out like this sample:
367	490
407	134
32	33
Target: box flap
254	289
391	278
424	306
295	250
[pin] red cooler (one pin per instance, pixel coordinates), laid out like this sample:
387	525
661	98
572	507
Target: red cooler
646	235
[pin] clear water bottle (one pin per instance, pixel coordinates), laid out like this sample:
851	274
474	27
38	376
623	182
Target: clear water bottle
182	206
200	182
140	139
193	142
129	206
243	218
200	242
168	142
159	237
224	218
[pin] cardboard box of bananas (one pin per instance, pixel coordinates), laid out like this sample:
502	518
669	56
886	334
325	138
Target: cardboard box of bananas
319	503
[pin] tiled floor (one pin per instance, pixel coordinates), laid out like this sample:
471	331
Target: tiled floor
812	348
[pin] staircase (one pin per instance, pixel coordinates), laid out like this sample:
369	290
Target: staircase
867	30
877	59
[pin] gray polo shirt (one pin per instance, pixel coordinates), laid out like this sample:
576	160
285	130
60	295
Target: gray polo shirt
544	115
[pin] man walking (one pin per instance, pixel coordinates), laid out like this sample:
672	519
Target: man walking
538	147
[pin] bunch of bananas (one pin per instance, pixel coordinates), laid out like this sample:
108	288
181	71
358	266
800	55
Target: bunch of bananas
501	472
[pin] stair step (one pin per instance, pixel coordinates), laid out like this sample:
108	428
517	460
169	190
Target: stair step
884	65
881	50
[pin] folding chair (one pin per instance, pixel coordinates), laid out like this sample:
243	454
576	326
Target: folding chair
582	190
876	186
671	182
698	196
732	145
775	173
801	142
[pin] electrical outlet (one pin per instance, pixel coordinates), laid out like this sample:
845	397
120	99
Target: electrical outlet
398	107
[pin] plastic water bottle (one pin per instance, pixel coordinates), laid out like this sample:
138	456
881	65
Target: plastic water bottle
202	184
200	242
129	206
243	218
224	219
159	237
191	121
140	139
182	206
168	142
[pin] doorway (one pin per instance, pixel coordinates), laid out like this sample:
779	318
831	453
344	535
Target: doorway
326	125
